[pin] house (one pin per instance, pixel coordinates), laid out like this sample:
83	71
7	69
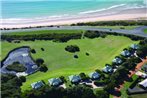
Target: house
55	81
37	85
75	78
94	75
108	69
134	46
143	84
125	53
117	60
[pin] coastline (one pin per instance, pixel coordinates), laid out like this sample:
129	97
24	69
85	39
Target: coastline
129	14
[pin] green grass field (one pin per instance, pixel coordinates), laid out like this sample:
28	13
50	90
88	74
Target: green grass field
118	27
62	63
145	30
43	32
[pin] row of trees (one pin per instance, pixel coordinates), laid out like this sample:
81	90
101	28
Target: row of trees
78	91
58	37
112	23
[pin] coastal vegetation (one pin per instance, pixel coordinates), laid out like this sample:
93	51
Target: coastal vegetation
113	23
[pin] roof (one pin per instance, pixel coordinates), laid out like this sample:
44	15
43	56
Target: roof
74	78
37	85
134	46
94	75
125	53
108	69
54	81
117	60
143	83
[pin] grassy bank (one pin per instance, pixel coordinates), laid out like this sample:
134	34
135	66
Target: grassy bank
145	31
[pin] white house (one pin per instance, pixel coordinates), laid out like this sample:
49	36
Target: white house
37	85
75	78
144	83
94	75
55	81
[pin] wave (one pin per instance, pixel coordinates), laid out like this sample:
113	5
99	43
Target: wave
93	11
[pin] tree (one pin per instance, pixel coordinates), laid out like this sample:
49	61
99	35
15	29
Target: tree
39	61
83	76
33	51
101	94
22	78
142	51
72	48
43	68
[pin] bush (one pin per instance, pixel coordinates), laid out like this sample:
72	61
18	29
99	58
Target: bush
33	51
42	49
72	48
43	68
76	56
39	61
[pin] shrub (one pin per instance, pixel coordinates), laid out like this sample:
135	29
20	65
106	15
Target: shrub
33	51
17	67
72	48
39	61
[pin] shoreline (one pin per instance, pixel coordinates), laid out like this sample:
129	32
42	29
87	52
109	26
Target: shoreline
131	14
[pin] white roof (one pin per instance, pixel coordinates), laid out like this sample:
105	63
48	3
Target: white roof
143	83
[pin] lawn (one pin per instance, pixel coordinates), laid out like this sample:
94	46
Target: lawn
139	96
118	27
145	30
43	32
62	63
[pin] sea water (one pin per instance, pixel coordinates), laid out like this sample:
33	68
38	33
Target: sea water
24	9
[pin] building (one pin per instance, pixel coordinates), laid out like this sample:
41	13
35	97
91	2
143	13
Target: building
75	78
55	81
125	53
108	69
37	85
143	84
117	60
94	75
134	46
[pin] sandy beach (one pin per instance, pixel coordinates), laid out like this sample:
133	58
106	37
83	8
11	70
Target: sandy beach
131	14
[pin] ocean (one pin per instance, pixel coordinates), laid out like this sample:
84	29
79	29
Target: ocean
12	10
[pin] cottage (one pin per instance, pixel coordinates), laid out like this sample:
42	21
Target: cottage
125	53
55	81
143	84
108	69
134	46
117	60
37	85
75	78
94	75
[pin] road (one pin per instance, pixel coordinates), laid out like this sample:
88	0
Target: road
137	31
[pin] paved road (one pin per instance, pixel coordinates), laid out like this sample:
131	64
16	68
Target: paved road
137	31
